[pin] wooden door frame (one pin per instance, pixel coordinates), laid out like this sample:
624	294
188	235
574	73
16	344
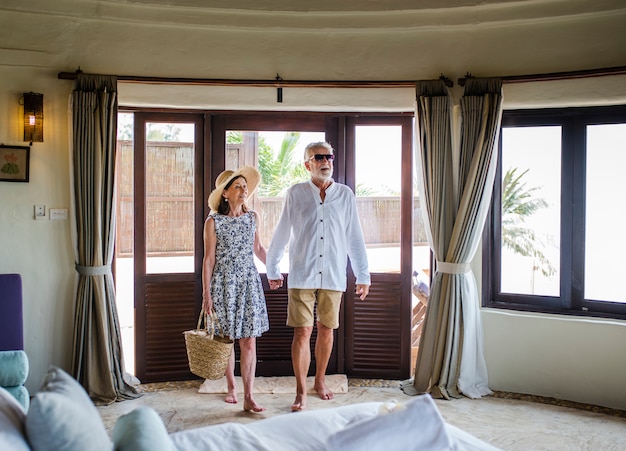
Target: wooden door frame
139	243
339	131
406	232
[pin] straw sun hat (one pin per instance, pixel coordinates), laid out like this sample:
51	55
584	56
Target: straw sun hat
252	176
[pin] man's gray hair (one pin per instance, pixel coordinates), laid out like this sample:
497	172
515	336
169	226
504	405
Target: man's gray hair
317	145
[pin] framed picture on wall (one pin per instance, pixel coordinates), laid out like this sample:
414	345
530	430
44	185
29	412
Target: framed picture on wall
14	163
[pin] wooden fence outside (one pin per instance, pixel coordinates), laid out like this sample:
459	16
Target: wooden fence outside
170	233
170	210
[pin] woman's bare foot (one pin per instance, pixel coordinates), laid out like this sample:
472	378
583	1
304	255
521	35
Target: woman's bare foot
250	405
299	404
323	392
231	397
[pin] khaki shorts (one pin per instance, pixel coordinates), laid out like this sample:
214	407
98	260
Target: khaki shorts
302	302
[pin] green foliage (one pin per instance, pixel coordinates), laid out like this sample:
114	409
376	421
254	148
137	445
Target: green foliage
163	133
364	190
234	137
125	132
125	126
280	170
519	202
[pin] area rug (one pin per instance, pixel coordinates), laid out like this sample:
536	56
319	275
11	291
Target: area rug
337	383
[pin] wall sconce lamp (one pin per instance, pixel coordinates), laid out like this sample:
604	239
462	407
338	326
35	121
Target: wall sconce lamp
33	117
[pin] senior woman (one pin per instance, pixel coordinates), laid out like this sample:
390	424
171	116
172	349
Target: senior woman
231	284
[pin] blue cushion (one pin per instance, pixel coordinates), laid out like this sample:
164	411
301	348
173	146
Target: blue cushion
139	430
63	418
21	394
13	368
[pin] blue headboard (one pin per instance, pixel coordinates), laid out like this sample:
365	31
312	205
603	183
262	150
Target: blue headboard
11	318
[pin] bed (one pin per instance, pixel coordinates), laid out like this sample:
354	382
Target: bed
61	416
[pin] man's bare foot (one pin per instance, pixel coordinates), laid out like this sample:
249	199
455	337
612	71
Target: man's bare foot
249	405
299	404
231	397
323	392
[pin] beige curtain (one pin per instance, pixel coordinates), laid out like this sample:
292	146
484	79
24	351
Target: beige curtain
456	162
97	361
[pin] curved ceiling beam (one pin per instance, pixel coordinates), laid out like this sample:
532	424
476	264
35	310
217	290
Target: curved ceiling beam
243	15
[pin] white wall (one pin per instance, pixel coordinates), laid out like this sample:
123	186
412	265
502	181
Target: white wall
40	250
564	357
576	359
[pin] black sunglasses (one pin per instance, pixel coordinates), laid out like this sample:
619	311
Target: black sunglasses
320	157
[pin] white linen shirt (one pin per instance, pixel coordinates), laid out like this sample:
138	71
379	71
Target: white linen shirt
321	237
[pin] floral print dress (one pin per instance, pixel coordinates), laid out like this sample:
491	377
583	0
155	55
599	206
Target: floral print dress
236	288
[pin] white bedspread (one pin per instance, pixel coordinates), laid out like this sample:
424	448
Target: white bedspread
416	425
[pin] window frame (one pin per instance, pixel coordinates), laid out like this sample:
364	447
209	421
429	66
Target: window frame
571	301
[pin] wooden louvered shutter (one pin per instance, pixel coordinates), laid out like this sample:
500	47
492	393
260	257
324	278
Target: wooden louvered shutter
169	309
377	331
274	347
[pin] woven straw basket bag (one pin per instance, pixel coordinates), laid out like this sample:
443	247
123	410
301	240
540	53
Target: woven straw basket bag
207	352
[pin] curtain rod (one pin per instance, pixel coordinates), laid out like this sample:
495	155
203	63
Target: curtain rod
567	75
280	83
277	83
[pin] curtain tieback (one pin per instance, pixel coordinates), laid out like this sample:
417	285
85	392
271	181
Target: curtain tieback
453	268
93	270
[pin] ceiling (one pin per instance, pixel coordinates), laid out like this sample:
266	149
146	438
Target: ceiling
563	7
334	40
335	15
326	5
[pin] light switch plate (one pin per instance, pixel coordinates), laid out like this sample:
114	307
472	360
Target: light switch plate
58	213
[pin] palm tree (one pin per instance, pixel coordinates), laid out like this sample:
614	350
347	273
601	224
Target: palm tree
279	171
282	170
519	202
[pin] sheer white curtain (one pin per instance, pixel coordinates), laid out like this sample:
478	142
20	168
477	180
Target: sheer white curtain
455	176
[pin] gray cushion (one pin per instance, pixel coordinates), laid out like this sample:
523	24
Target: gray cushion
416	425
63	418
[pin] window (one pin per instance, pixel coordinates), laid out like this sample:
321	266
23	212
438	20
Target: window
378	178
555	241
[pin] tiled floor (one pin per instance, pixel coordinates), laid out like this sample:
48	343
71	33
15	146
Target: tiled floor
508	421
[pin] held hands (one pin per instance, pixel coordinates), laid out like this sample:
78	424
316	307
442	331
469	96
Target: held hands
362	290
275	284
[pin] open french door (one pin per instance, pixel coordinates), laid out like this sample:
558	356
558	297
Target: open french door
372	153
168	223
251	139
168	170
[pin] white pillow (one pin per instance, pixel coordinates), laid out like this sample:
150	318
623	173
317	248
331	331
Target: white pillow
62	417
302	431
12	417
309	429
416	425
